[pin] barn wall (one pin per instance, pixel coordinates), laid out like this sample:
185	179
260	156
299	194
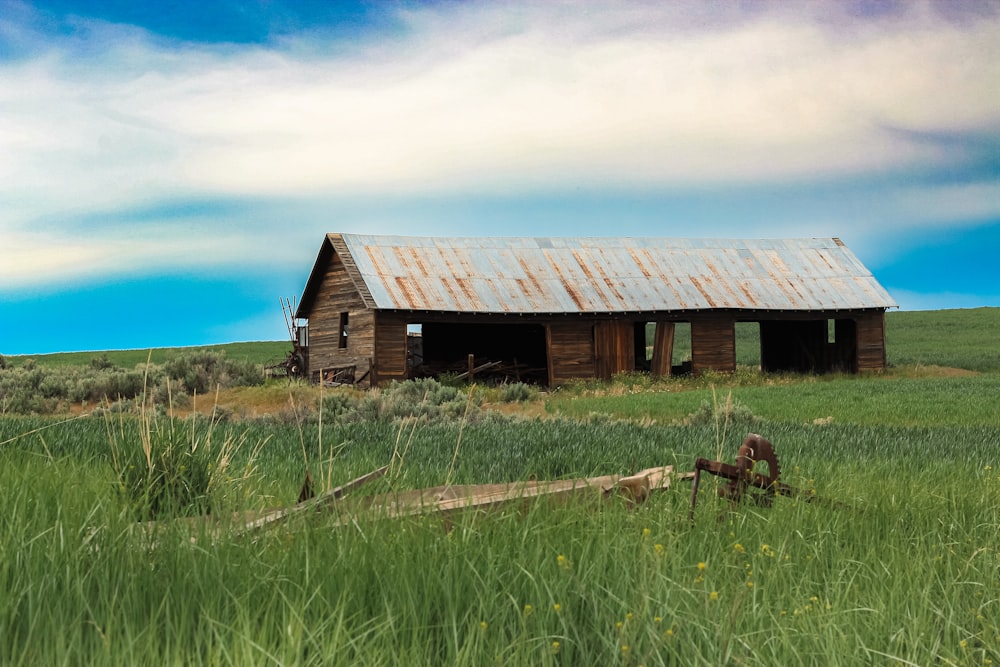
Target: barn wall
390	348
663	349
713	344
614	347
570	346
871	341
588	347
336	295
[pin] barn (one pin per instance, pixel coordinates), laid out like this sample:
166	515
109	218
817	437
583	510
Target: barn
548	310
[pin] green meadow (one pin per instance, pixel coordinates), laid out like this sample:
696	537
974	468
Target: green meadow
890	555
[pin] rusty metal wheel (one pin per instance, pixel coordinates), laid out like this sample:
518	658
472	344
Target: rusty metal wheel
754	450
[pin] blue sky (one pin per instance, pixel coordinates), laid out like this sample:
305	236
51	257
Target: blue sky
168	170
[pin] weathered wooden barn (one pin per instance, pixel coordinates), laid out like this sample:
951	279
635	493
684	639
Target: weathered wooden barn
554	309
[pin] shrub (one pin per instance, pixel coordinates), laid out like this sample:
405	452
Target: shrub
101	363
731	412
517	392
201	371
425	399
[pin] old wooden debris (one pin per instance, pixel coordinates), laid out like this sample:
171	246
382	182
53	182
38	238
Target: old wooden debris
446	500
310	503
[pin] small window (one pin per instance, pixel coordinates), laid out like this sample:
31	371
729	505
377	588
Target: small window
343	331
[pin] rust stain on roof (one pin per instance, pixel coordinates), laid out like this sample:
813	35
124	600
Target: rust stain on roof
567	284
638	262
468	290
704	292
410	297
532	278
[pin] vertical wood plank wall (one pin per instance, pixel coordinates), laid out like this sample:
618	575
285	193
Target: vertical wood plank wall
336	295
663	349
871	341
713	344
570	350
614	346
390	347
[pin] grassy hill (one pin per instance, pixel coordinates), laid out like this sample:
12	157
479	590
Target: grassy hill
957	338
260	352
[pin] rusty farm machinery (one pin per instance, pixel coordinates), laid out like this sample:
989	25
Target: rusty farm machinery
294	365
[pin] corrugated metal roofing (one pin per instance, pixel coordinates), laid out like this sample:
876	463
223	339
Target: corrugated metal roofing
609	275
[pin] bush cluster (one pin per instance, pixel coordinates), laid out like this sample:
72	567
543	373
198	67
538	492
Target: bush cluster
425	399
731	412
31	388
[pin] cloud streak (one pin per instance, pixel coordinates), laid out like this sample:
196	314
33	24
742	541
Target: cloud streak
475	98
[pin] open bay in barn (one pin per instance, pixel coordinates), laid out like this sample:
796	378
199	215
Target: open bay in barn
897	559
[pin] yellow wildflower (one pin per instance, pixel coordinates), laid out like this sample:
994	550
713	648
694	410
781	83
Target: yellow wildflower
714	595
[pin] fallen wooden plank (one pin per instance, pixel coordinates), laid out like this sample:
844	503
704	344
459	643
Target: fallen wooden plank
327	498
448	499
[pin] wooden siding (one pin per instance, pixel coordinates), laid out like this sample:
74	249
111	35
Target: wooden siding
570	346
614	347
713	344
871	342
663	349
390	347
336	295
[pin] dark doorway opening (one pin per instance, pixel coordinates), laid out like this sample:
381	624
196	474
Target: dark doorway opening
495	353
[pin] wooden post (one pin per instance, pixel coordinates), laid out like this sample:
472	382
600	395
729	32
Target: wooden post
663	349
472	367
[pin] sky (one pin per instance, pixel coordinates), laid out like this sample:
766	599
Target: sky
168	170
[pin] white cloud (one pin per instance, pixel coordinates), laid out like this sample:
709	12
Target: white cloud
484	98
33	258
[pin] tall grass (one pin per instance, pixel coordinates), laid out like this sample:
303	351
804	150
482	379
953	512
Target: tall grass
874	400
903	568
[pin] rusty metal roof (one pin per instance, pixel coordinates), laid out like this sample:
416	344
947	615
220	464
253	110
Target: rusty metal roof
606	275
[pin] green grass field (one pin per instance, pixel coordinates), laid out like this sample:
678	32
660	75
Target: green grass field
897	561
262	352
